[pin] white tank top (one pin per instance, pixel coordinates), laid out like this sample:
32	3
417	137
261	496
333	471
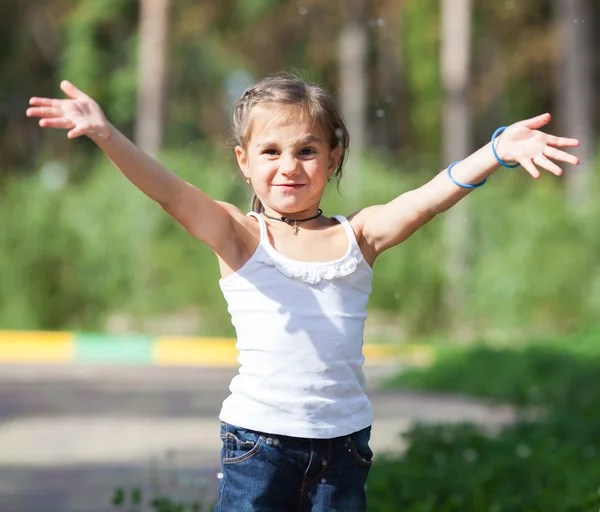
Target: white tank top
299	334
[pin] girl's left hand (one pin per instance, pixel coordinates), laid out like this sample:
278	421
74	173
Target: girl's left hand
522	142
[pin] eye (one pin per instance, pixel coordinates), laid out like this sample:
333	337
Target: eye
269	151
308	151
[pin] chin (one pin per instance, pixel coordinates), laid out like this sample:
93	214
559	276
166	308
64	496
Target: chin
288	206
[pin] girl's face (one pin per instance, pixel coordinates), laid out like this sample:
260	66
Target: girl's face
288	160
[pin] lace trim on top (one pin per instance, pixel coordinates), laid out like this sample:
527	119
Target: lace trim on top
310	272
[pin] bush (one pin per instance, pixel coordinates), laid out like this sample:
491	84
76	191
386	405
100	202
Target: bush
548	464
70	258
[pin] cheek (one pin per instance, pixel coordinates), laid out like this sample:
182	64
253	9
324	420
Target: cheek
317	169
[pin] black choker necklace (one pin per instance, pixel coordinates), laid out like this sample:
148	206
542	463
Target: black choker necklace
294	221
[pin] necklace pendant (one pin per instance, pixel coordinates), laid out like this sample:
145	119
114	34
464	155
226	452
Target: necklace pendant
296	228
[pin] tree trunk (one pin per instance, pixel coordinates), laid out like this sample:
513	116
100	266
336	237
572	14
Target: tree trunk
575	96
455	62
152	74
352	51
388	130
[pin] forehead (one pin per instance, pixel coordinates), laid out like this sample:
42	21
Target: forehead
267	121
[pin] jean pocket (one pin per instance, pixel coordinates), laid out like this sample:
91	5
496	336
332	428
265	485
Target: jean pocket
240	445
359	447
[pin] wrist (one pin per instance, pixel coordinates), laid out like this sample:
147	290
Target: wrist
100	133
501	149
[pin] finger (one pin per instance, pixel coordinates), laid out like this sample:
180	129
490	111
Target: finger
44	112
72	92
45	102
562	142
538	121
61	123
530	168
549	165
562	156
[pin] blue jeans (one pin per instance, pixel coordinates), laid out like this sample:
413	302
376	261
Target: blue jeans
271	473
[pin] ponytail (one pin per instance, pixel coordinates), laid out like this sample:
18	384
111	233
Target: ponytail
256	205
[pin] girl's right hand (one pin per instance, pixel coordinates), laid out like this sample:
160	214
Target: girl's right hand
80	114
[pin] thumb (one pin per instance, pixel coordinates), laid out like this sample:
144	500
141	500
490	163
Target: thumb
538	121
71	91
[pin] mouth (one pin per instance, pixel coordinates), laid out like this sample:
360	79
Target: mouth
290	186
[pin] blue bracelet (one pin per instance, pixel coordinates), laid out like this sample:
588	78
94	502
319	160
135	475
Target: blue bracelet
462	185
500	161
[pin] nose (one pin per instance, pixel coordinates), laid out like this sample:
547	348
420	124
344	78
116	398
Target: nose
288	165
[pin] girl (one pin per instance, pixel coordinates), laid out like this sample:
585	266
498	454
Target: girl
296	426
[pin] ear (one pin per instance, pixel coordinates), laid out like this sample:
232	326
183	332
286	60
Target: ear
242	160
334	158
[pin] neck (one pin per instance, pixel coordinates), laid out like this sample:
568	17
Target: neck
304	214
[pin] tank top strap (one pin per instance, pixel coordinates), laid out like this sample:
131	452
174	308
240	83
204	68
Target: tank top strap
348	228
264	237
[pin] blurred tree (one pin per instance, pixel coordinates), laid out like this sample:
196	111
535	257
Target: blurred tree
388	126
456	59
152	74
354	84
29	54
576	91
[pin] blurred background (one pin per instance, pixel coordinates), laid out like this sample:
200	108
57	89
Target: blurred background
505	287
420	84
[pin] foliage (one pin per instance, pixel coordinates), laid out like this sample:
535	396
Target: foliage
133	500
549	463
123	255
535	466
94	42
557	373
73	256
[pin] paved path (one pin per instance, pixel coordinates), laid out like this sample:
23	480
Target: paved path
70	434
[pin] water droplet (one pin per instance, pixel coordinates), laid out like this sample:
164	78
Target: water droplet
276	442
323	480
470	455
397	295
54	175
219	476
339	133
377	22
303	10
380	112
523	451
324	463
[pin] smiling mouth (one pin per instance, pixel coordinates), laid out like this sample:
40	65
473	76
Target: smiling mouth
291	185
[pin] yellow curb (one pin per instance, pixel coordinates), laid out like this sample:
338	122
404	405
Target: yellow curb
179	350
36	347
172	350
416	355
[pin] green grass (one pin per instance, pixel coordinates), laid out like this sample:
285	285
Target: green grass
556	373
548	464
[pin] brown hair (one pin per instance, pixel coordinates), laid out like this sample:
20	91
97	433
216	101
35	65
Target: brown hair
290	90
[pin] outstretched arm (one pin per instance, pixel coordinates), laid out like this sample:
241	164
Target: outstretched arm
206	219
384	226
